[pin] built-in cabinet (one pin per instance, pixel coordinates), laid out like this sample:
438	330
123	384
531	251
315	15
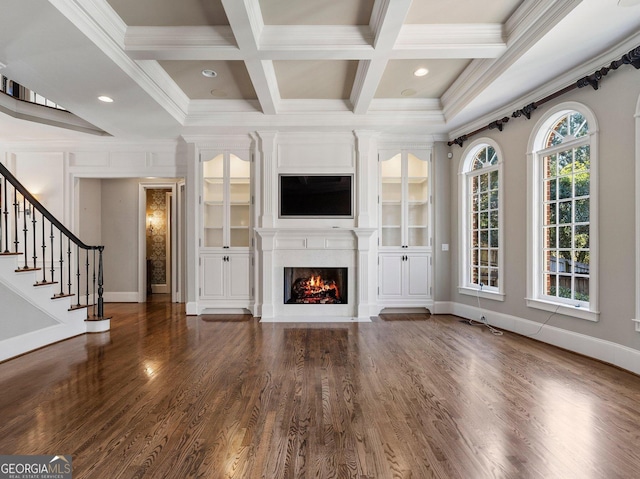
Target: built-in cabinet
405	236
225	257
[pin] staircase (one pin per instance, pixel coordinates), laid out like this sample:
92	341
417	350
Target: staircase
51	283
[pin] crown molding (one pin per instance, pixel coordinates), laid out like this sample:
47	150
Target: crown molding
568	78
530	23
447	41
351	41
406	104
182	43
163	81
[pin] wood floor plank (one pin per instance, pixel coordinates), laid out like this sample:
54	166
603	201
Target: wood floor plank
408	396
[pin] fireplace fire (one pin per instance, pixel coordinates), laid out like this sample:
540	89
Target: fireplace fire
315	286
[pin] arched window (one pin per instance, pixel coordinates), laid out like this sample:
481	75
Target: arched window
481	221
563	251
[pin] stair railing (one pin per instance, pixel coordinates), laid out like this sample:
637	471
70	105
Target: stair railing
19	229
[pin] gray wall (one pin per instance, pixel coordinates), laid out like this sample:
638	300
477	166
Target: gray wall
614	105
442	223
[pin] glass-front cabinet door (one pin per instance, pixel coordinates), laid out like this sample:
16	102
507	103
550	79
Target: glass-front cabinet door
404	200
226	201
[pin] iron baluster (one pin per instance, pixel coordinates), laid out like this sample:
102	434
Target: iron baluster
16	242
25	230
78	274
94	284
61	267
44	250
6	219
33	232
100	284
87	278
51	238
69	266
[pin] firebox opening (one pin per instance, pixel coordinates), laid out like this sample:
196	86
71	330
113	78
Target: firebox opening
315	286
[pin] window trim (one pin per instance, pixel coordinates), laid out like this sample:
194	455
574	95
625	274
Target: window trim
534	298
464	171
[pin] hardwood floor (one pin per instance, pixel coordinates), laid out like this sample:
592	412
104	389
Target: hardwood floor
168	396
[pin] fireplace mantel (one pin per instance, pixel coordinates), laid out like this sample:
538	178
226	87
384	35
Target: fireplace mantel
347	247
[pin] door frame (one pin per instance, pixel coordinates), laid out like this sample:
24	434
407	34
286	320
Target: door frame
142	237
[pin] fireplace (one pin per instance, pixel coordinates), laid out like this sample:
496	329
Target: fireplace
315	285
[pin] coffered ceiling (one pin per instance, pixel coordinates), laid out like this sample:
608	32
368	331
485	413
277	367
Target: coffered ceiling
291	64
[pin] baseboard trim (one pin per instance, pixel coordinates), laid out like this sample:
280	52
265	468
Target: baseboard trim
160	289
605	351
25	343
121	297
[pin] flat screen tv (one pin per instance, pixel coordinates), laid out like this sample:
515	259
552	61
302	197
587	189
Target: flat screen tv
316	196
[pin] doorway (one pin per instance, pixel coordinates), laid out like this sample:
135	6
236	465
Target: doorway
158	275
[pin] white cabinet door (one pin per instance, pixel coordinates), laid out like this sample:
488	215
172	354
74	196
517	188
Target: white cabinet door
239	275
226	276
391	276
417	274
213	277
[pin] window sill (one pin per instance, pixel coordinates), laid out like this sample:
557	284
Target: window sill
564	309
484	293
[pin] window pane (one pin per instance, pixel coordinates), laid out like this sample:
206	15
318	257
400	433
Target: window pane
564	286
582	236
564	240
484	220
550	262
550	166
493	277
493	200
565	161
550	237
474	185
550	189
484	182
578	125
493	181
493	219
493	257
564	212
550	214
484	201
550	283
582	211
493	236
484	257
484	239
565	185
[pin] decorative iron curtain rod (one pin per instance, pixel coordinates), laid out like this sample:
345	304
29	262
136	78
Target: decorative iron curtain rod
632	57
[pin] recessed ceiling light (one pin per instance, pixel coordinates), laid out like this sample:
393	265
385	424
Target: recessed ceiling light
209	73
105	99
408	92
420	72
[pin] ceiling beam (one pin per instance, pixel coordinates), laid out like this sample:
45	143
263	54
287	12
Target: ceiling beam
246	23
386	23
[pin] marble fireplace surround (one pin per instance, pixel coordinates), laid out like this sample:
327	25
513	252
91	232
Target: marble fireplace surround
321	247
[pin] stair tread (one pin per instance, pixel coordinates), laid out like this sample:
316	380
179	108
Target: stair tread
23	270
45	283
80	306
7	253
57	296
